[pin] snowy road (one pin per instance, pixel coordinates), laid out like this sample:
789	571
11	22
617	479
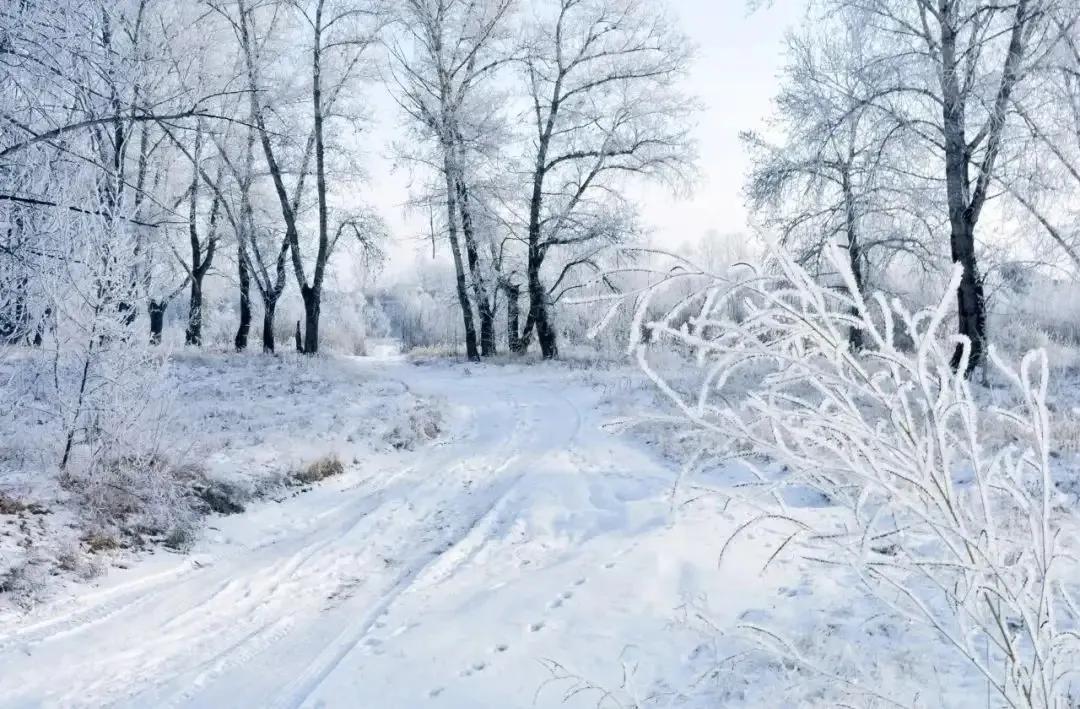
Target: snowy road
527	533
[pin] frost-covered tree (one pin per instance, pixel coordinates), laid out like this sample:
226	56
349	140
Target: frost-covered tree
604	103
838	174
337	36
950	71
445	59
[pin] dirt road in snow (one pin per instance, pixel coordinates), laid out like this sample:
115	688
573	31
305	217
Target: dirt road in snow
526	534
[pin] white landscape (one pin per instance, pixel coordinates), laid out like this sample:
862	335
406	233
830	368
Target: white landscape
486	354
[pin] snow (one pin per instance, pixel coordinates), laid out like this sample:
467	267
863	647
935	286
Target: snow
531	555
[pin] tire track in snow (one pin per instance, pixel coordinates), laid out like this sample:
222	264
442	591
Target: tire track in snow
92	609
302	687
206	622
103	606
428	521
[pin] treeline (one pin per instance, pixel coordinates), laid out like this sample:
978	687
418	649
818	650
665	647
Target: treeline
924	133
146	144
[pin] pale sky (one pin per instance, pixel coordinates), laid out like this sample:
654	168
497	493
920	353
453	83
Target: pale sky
739	56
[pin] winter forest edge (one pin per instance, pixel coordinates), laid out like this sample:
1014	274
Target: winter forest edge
269	437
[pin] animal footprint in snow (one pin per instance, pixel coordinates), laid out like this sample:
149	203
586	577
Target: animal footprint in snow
435	692
564	596
536	627
609	565
475	667
580	581
502	647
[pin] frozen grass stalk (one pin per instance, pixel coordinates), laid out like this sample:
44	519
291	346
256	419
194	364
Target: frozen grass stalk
941	521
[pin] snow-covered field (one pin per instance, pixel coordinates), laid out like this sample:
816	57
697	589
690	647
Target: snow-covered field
533	553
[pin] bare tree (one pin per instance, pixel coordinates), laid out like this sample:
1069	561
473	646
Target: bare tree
837	177
956	65
604	102
340	32
448	50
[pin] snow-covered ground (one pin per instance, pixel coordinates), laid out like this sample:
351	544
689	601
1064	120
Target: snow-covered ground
532	555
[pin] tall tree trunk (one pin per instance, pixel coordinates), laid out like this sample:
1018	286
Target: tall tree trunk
312	294
459	269
269	306
971	305
480	291
244	329
965	203
539	311
538	297
291	244
193	332
311	297
157	319
513	315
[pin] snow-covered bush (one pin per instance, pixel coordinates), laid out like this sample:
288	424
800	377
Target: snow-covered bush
92	407
99	372
944	524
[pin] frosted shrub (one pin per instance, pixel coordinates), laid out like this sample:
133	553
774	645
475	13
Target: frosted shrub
94	406
941	525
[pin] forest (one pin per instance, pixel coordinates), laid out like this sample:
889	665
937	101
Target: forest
356	353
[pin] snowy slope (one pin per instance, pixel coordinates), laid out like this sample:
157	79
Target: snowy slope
529	558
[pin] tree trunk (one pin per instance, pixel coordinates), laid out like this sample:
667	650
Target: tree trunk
193	333
970	297
965	203
242	331
855	334
268	326
157	319
313	294
538	305
487	332
299	339
459	269
971	306
538	310
483	303
312	298
513	314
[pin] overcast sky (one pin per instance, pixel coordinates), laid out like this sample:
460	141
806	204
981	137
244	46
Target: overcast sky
739	56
